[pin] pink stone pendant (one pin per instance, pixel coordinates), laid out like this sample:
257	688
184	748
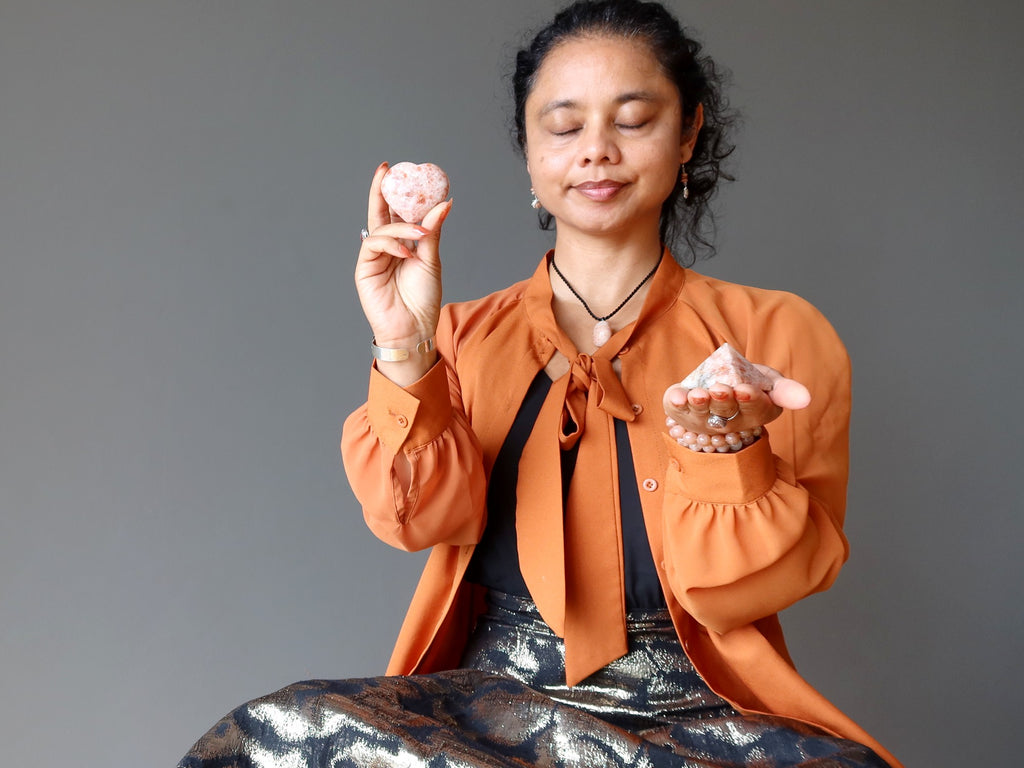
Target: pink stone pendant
602	332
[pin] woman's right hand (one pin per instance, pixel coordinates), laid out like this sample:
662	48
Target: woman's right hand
398	274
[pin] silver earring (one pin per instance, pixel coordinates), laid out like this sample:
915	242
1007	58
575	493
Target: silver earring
535	203
684	177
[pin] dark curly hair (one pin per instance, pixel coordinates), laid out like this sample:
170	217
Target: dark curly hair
689	220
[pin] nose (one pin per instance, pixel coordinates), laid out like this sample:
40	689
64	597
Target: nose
598	145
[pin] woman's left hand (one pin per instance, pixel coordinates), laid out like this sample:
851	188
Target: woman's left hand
744	407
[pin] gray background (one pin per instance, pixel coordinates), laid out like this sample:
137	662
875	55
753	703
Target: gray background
181	186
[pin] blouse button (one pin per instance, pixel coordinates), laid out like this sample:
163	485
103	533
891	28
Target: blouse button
402	421
637	408
650	484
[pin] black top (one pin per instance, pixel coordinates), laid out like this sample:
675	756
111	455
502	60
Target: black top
495	562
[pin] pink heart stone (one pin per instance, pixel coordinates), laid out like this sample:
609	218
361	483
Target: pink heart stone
412	190
726	366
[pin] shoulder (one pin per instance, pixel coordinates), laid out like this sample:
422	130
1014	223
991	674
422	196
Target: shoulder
746	299
753	306
776	327
463	310
464	319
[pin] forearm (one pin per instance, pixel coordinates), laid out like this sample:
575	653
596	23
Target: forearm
743	538
415	465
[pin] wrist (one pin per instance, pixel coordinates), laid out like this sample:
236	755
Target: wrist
728	442
393	352
405	365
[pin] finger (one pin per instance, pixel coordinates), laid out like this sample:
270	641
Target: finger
791	394
723	402
674	397
725	407
390	240
750	398
754	407
436	216
378	213
428	246
377	255
698	401
400	230
786	392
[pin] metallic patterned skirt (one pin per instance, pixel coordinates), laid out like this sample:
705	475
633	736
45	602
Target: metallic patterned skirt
509	706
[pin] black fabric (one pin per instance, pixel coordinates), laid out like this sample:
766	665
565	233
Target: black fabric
643	589
495	562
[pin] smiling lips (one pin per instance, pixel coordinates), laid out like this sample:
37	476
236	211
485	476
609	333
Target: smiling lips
599	191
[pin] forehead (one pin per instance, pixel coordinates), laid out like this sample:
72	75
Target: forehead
595	67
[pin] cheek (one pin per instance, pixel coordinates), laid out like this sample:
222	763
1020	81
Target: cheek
663	165
545	164
662	174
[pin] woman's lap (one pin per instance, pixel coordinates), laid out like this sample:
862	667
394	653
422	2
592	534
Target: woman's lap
474	719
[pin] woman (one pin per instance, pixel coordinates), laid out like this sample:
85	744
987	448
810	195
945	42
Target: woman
601	590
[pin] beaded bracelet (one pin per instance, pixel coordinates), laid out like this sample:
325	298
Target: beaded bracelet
730	442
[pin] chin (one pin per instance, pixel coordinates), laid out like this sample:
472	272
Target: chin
608	221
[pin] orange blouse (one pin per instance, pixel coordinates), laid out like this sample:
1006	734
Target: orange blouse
736	537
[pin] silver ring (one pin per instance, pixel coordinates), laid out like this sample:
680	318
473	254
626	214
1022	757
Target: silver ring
363	234
718	422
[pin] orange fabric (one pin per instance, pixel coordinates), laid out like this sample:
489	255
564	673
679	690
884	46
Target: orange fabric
583	555
736	538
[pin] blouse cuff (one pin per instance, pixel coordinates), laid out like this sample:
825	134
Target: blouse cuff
409	417
722	478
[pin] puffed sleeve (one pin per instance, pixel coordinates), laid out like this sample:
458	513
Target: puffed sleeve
749	534
442	498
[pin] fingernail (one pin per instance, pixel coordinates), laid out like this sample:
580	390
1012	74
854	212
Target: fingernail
743	397
718	395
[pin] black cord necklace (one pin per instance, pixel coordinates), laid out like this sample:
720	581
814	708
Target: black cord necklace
602	331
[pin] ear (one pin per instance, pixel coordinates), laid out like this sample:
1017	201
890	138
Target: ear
690	134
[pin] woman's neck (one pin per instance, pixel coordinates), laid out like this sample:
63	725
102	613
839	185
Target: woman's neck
603	271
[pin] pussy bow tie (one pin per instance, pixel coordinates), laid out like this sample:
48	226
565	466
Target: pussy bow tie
571	560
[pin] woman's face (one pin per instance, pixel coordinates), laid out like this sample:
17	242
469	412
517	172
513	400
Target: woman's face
604	136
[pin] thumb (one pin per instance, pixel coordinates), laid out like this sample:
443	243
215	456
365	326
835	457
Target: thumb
786	393
427	247
790	394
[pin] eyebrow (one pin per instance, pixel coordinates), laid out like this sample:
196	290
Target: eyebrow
625	98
